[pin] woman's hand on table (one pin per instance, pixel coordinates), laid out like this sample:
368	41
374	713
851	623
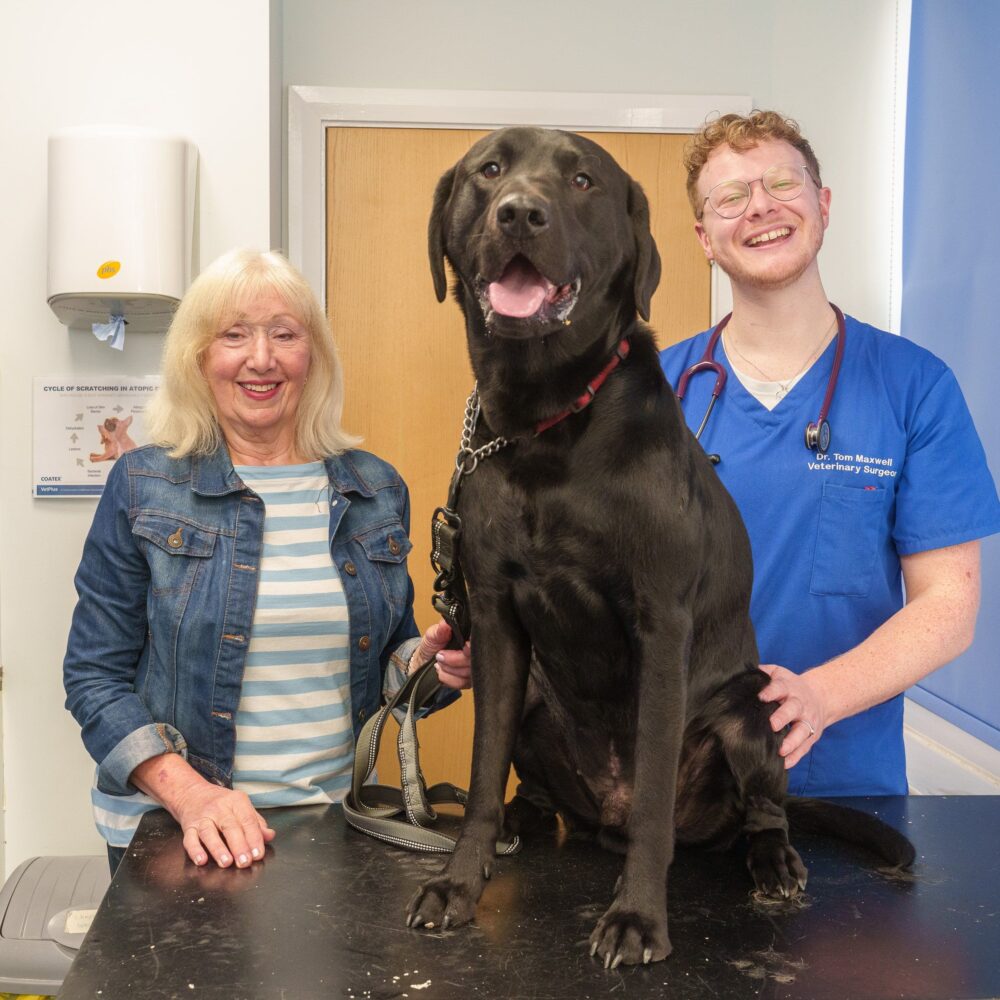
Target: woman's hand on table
216	822
222	823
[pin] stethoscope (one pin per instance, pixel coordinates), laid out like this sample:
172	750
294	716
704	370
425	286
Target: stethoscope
817	432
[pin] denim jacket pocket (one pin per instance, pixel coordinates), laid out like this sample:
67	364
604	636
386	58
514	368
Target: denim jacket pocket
175	550
387	547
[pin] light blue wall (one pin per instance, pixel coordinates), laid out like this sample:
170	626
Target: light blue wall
951	279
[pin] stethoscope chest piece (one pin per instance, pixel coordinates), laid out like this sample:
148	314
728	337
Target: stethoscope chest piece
818	436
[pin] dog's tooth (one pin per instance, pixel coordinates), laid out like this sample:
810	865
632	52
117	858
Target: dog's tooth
417	920
647	956
593	949
607	960
618	960
446	922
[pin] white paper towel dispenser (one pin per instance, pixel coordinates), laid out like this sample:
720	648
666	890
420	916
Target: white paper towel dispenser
121	225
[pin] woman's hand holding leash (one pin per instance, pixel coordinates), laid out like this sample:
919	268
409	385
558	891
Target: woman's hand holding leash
454	666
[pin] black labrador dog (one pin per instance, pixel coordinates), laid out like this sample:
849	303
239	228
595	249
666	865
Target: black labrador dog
609	571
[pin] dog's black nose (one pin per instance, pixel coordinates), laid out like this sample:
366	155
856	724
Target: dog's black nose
522	215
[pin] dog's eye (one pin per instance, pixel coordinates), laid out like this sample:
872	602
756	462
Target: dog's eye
582	182
490	170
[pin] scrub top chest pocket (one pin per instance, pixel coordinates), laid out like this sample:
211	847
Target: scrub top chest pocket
174	549
386	548
846	540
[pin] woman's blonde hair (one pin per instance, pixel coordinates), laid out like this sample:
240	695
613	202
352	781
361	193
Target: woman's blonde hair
741	133
182	414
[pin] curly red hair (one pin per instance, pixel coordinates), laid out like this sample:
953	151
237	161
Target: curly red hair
742	132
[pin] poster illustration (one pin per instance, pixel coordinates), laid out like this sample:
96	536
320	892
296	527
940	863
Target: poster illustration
81	426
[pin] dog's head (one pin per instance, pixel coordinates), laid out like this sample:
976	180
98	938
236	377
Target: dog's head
543	229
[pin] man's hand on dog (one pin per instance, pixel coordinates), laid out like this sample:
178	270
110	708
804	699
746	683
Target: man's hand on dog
454	666
800	707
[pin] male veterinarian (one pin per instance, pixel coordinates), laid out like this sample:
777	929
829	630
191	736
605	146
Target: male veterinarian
894	492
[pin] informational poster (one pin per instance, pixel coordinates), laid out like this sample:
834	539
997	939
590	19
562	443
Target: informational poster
81	426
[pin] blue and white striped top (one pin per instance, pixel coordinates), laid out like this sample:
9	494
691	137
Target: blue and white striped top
294	742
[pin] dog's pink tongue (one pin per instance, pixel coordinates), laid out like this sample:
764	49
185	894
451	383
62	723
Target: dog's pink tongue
520	291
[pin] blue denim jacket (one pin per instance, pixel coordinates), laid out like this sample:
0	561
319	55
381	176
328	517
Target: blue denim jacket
167	588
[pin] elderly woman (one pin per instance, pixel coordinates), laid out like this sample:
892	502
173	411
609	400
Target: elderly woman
244	601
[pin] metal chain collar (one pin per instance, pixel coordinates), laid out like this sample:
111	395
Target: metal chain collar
467	459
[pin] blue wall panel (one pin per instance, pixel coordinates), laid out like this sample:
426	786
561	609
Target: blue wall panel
951	278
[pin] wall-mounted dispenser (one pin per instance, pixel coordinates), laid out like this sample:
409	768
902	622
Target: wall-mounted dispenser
121	225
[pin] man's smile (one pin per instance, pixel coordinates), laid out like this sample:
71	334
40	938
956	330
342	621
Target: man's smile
770	236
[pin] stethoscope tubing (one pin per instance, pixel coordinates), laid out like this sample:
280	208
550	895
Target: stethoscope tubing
818	434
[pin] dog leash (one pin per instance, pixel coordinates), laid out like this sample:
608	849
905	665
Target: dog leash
376	809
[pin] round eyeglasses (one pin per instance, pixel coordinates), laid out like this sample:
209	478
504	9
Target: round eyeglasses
784	181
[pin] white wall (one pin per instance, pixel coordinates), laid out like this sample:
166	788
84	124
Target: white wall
829	65
200	68
834	71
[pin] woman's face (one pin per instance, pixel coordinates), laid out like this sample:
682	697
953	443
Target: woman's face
256	369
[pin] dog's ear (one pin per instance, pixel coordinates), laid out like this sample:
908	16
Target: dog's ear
647	257
435	234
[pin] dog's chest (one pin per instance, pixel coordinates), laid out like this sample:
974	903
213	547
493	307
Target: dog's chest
537	537
525	526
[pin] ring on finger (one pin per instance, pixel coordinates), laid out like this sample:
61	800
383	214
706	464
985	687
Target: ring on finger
809	726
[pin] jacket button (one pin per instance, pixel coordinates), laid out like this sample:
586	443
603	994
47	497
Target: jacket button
362	715
350	569
364	644
175	541
394	547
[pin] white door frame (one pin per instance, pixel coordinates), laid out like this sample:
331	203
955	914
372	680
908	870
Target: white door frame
312	109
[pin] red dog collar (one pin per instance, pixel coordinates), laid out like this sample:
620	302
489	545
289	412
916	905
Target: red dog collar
621	353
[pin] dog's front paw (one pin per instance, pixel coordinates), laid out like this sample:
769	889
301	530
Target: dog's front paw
630	936
443	902
776	868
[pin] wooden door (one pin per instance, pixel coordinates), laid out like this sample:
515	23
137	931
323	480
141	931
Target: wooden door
405	363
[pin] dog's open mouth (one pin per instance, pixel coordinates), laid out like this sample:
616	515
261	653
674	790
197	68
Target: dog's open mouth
522	292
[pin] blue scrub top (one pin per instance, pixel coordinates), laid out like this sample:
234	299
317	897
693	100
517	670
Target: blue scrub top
905	472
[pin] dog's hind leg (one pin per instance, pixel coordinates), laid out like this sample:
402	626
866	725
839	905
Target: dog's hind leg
775	865
532	810
750	747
